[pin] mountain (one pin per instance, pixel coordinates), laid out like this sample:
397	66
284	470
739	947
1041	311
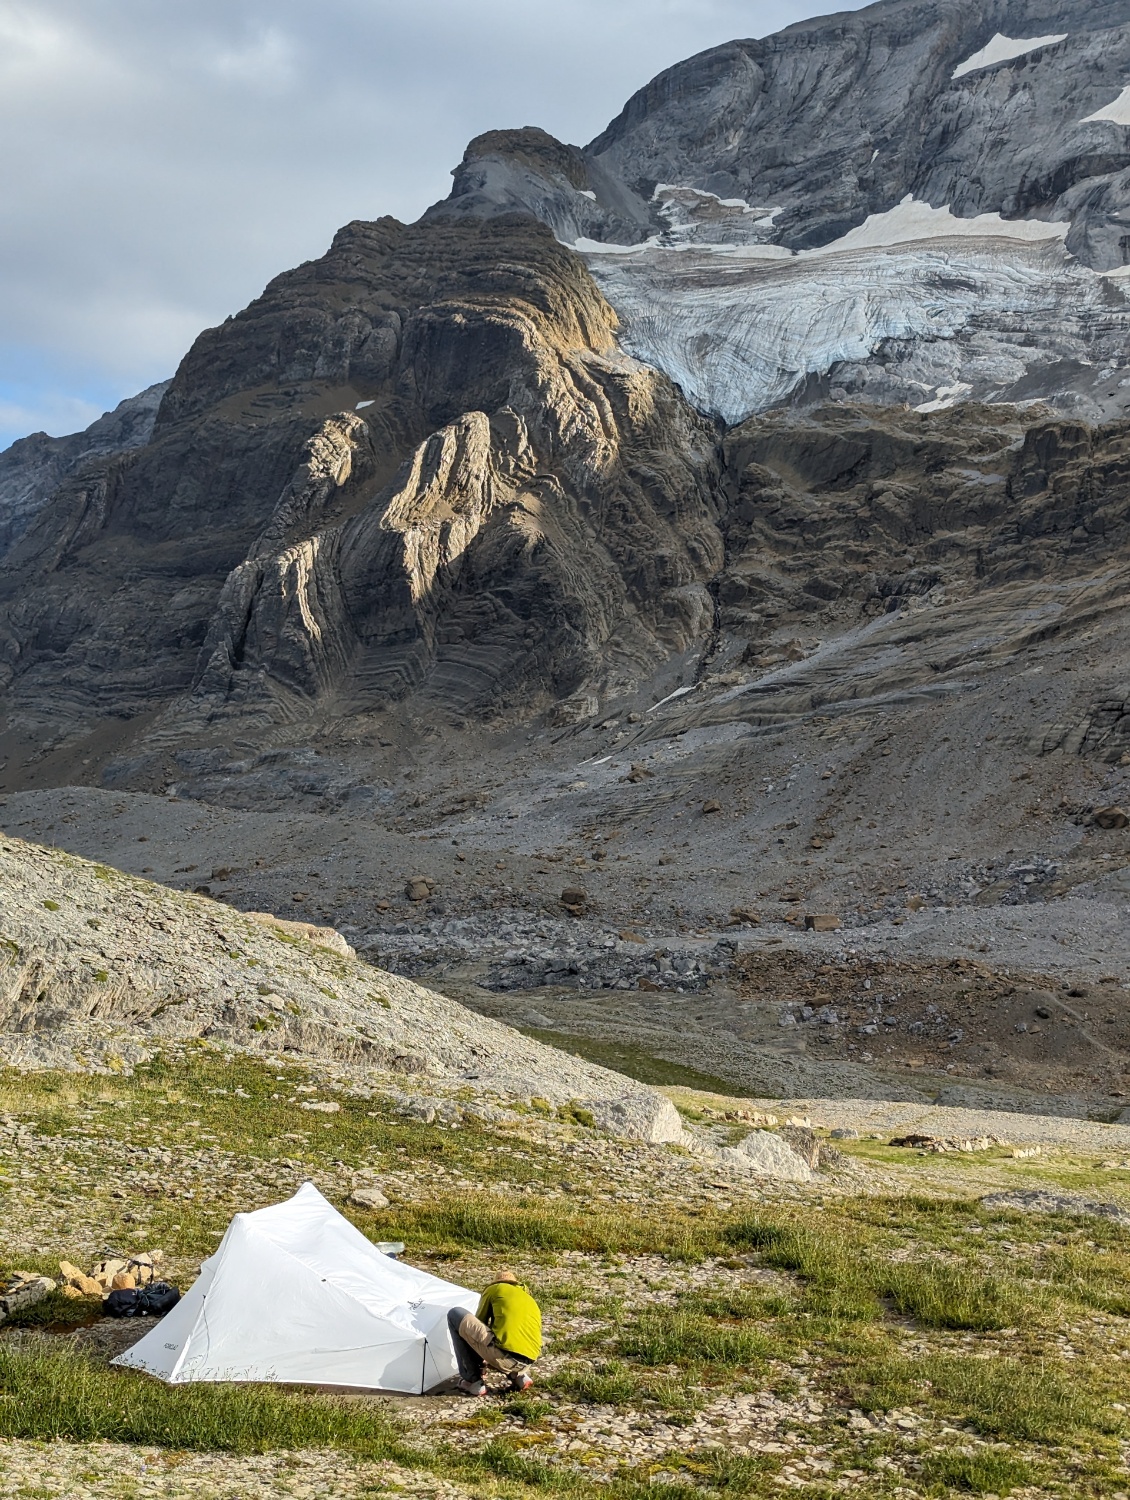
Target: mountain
34	467
760	215
749	485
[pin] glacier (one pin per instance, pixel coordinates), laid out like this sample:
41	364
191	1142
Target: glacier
911	304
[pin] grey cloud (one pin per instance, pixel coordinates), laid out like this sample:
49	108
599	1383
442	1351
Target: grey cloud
163	161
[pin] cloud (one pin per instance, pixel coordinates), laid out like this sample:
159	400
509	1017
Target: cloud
162	162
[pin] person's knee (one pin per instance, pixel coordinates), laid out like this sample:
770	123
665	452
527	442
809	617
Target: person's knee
475	1333
455	1318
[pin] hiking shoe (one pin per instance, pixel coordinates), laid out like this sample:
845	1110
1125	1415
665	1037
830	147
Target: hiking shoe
471	1387
520	1382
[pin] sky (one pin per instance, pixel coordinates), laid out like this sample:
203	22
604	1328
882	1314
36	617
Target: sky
162	160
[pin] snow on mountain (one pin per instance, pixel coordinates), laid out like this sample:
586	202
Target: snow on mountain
1118	111
1004	49
912	303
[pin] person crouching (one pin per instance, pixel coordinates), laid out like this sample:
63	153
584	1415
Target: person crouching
505	1334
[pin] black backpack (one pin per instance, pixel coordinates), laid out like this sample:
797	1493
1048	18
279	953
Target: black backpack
142	1302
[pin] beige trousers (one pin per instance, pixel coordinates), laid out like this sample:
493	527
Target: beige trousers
482	1341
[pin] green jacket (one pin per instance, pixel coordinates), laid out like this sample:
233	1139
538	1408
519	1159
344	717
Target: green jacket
513	1317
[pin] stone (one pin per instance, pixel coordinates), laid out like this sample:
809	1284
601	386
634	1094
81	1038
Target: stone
23	1293
1041	1201
537	1019
574	899
745	916
123	1282
419	888
822	922
711	806
765	1154
1110	817
628	936
321	937
321	1106
641	1116
368	1197
805	1142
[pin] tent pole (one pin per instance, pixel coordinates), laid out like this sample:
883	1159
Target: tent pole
424	1367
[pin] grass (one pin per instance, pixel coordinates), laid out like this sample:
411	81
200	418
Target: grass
880	1303
51	1394
622	1058
982	1472
1001	1397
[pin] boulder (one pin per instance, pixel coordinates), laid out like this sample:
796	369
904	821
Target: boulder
1110	817
419	888
574	900
764	1154
640	1117
822	922
24	1290
805	1142
368	1197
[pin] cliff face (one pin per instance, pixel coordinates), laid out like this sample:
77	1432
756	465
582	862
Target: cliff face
34	467
418	463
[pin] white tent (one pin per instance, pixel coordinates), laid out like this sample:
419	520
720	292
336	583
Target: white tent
295	1293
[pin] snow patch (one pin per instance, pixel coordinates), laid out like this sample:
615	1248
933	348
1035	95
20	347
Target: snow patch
946	396
585	246
911	221
587	193
1004	49
1117	111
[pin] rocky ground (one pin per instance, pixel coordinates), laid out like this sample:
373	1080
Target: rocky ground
633	1382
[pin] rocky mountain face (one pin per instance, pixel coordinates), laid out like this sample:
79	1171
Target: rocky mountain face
418	464
34	467
759	215
751	484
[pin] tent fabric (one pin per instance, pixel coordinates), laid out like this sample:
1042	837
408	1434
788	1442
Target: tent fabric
295	1293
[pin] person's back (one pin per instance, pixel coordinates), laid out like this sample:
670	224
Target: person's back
513	1316
505	1333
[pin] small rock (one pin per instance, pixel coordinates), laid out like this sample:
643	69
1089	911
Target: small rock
419	888
746	915
711	806
822	922
368	1197
841	1134
1110	817
574	899
627	936
123	1282
322	1106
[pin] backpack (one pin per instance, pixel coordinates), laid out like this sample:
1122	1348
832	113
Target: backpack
152	1301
